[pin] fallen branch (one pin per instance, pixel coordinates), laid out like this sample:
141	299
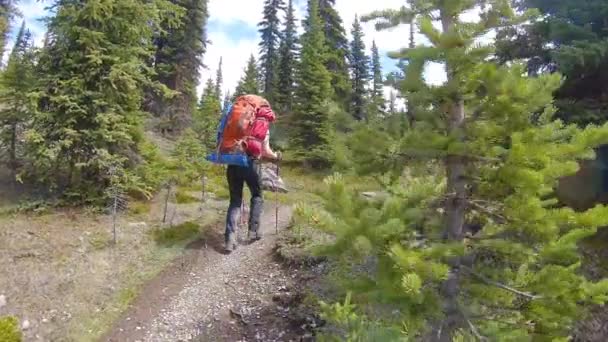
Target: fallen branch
501	286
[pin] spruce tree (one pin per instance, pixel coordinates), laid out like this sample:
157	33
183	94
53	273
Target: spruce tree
471	244
377	98
177	61
287	61
89	119
359	64
250	81
269	46
336	47
389	19
219	79
208	113
571	37
311	122
18	81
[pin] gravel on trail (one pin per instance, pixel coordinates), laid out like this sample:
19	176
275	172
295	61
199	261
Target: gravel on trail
213	296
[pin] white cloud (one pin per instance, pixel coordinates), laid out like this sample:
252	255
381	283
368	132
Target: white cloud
227	11
234	56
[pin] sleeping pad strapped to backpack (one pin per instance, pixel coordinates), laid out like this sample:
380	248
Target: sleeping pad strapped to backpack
242	131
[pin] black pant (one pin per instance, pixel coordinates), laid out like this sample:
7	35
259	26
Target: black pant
237	176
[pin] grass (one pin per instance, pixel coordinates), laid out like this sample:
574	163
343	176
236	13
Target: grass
100	240
139	208
170	243
93	325
176	234
183	197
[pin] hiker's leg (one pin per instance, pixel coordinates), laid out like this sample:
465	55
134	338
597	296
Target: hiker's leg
234	175
257	201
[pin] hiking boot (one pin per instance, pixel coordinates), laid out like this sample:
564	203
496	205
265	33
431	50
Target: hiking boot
254	236
231	243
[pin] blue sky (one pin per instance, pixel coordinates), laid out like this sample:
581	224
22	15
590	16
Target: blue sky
232	30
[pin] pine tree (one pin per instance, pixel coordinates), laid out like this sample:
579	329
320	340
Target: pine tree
250	82
178	58
287	61
269	59
18	81
336	47
219	79
310	136
377	82
478	248
359	64
89	118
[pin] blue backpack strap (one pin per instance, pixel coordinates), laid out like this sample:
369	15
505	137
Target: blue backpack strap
223	121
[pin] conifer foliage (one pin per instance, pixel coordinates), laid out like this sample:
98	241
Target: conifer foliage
8	11
17	82
492	153
269	46
92	71
207	115
359	64
377	93
288	51
311	124
219	79
336	49
177	59
250	81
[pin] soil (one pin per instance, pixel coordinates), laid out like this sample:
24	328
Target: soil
208	295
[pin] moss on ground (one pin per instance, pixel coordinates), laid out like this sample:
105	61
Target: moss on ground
9	329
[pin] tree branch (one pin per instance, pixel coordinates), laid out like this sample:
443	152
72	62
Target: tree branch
487	211
501	286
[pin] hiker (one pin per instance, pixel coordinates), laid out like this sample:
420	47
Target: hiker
243	143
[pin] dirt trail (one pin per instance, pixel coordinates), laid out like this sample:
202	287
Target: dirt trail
209	296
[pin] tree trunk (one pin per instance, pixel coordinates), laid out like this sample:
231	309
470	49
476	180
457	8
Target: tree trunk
410	105
13	151
454	209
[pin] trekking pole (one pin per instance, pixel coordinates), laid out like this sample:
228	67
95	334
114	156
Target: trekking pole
276	204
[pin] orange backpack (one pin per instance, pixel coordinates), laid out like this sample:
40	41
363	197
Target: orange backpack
242	130
239	121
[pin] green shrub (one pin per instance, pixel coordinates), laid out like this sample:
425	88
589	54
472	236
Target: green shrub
9	329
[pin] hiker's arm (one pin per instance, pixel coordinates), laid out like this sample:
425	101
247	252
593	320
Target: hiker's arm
267	152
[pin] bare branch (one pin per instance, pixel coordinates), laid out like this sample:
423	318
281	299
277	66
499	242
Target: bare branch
501	286
487	211
474	330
